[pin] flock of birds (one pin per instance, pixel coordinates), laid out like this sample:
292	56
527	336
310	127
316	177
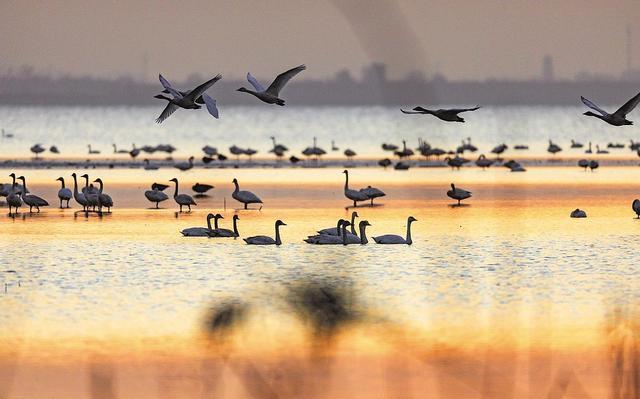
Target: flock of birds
94	199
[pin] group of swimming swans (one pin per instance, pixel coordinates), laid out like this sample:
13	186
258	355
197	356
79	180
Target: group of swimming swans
331	236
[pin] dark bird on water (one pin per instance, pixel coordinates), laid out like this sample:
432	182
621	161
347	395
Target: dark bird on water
448	115
618	118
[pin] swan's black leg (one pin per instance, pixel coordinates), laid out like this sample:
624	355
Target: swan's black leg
245	205
60	203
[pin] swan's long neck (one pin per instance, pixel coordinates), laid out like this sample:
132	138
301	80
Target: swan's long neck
273	139
338	227
237	188
175	193
86	182
409	232
278	241
75	186
346	181
13	182
353	220
24	187
344	234
363	235
209	223
62	182
235	227
101	186
215	223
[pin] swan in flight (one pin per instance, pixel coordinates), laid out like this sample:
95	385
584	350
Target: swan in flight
156	195
219	232
618	118
351	194
396	239
64	193
13	198
202	231
78	196
271	93
187	100
182	199
32	200
245	197
105	199
266	240
447	115
636	207
458	193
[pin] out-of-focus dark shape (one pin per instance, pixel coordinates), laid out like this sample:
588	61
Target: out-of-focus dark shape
223	318
624	355
101	381
325	305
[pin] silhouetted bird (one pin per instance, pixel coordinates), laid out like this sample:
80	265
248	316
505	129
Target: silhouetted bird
448	115
618	118
271	93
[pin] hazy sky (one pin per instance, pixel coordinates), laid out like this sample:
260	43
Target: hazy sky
461	39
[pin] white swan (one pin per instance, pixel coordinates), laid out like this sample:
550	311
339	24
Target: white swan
187	100
182	199
271	93
266	240
30	199
201	231
395	239
245	197
458	193
156	195
105	199
64	193
351	194
78	196
218	232
13	198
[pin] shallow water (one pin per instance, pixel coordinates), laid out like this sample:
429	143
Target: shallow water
362	129
512	261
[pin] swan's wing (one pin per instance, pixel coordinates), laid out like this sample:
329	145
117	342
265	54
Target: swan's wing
167	86
198	91
594	107
211	106
421	109
410	112
628	106
168	110
459	110
254	82
283	78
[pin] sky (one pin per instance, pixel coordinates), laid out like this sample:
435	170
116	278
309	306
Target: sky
503	39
